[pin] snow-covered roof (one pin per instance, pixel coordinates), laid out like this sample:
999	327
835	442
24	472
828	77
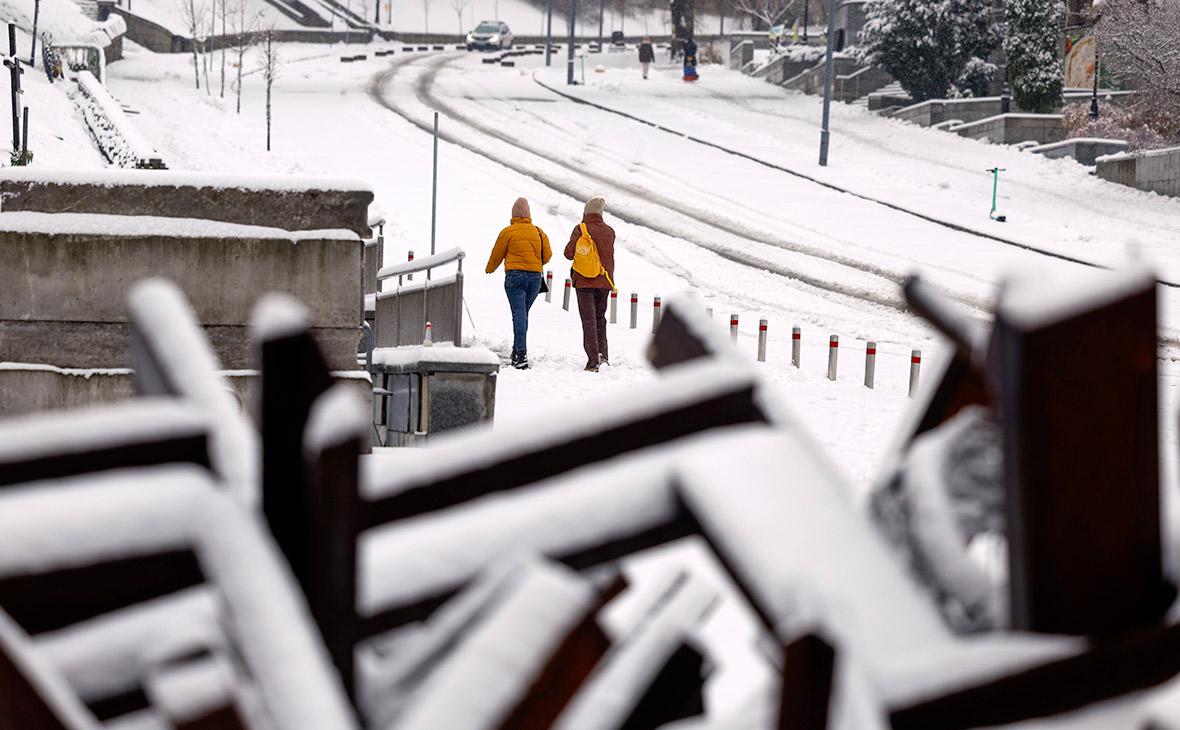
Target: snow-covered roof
100	224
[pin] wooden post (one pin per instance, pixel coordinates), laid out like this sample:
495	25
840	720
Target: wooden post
809	665
1081	461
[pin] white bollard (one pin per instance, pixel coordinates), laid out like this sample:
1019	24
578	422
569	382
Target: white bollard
796	340
427	339
761	340
614	307
410	277
870	363
565	303
733	327
655	315
833	352
549	286
634	310
915	366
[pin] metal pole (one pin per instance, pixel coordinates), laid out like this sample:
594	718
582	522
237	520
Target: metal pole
569	76
434	190
565	303
733	327
549	37
14	68
833	352
601	7
410	257
24	142
1094	94
634	310
915	366
806	7
796	336
548	286
614	307
655	315
761	340
870	363
33	49
824	134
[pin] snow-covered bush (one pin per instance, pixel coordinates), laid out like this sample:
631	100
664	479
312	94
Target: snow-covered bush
1031	47
1137	41
1114	122
927	45
975	78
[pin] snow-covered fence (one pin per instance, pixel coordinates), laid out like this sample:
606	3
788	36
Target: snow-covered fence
116	136
404	309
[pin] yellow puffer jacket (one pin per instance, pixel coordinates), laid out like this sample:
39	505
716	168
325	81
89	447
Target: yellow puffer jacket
520	247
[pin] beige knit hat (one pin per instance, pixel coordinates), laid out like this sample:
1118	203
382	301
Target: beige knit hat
594	206
520	209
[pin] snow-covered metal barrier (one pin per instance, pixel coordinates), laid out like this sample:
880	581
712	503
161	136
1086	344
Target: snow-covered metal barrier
402	310
118	139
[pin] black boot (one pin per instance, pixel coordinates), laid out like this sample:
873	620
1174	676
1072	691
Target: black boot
514	359
522	360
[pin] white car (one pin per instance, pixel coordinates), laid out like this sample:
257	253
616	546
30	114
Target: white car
489	34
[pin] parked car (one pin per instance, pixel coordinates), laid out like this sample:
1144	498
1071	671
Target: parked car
489	34
617	43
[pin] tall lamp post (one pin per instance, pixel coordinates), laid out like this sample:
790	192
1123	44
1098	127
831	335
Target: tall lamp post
824	134
1096	12
806	7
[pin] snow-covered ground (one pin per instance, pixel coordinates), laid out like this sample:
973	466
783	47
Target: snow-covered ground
747	238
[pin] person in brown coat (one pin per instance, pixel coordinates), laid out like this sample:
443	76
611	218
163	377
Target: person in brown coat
594	294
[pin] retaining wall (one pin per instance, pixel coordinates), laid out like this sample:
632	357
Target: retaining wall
157	38
1084	150
1014	128
284	202
1157	170
117	138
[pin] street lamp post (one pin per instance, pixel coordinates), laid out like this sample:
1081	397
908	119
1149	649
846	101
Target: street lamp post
1094	93
806	7
824	134
549	37
569	78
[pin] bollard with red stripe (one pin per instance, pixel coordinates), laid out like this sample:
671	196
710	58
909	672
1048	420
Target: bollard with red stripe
761	340
733	327
549	286
634	310
870	363
833	352
565	303
796	340
915	366
614	307
410	257
655	315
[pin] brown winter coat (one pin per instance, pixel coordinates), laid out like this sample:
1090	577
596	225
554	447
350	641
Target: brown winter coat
604	239
521	246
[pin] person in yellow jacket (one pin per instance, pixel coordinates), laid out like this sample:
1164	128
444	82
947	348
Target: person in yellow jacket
523	248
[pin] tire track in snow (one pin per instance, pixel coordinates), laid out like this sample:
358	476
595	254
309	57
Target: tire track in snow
890	298
832	186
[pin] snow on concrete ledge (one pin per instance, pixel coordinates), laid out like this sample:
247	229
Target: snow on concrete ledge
444	356
131	226
171	178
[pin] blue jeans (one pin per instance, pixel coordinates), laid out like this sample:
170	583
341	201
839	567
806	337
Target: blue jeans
522	288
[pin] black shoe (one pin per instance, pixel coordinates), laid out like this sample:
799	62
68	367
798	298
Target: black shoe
514	359
522	361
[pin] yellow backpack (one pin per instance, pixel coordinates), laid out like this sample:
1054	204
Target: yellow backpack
586	260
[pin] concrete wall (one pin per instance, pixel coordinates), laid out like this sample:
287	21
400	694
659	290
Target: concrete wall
1015	128
63	294
937	111
1084	151
187	195
1157	171
740	54
157	38
811	81
850	20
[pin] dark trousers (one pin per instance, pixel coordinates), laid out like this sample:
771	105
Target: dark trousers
522	288
592	308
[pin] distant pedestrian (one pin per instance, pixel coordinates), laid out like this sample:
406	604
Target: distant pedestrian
593	239
524	249
647	54
690	60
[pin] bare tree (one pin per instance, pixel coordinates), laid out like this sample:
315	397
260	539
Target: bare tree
224	14
206	45
770	12
268	64
244	28
460	6
1137	40
193	17
426	15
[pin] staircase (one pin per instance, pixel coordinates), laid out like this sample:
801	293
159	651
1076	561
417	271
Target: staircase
89	8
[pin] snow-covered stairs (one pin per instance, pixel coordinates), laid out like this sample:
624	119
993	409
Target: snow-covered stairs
89	8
